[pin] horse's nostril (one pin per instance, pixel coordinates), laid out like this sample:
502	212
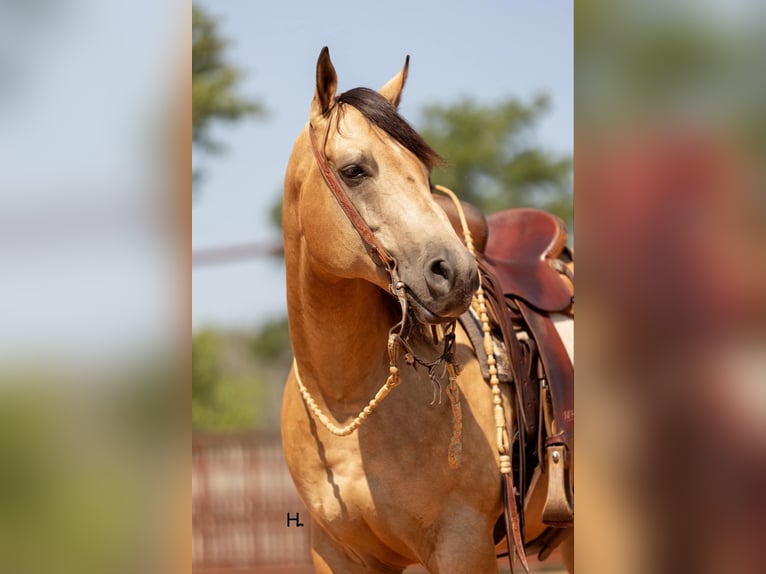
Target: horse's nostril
441	268
440	276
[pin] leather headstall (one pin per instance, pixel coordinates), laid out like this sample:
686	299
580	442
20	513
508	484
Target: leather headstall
377	252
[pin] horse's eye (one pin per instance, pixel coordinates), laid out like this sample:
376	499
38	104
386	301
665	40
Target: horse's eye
353	174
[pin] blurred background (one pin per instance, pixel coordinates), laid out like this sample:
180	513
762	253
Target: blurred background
670	103
490	87
94	141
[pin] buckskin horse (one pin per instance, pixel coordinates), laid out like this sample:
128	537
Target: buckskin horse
399	440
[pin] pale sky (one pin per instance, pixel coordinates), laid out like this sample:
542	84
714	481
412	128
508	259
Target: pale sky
84	90
486	50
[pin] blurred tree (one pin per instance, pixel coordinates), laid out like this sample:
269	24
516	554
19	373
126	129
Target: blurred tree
271	344
492	160
238	376
206	369
223	399
214	81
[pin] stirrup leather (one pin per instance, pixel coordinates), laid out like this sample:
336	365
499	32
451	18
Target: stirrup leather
558	509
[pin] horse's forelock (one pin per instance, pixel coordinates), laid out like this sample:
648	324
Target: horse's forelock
382	114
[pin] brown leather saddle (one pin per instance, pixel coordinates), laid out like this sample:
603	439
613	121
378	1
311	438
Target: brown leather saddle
528	275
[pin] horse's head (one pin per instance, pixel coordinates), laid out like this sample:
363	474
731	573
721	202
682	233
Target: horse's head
383	167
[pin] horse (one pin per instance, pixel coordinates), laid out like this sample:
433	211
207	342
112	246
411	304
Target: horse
391	471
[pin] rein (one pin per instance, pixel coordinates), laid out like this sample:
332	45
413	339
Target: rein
511	514
393	380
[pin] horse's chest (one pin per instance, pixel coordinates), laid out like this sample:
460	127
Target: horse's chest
393	472
376	475
336	489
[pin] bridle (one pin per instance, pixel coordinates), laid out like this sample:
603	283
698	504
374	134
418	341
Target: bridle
397	336
379	254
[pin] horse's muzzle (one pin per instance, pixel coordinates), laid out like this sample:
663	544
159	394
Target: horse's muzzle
449	282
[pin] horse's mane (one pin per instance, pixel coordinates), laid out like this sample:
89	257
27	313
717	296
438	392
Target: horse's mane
383	115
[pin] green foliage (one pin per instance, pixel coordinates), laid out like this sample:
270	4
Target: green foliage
272	342
74	495
237	377
275	213
492	161
214	81
220	401
206	370
236	406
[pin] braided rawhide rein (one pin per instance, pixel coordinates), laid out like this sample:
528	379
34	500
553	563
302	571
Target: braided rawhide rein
383	259
501	434
392	381
453	391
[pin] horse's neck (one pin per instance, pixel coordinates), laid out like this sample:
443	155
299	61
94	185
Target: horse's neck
339	331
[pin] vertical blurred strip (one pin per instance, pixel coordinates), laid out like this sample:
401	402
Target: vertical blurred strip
94	286
671	233
184	221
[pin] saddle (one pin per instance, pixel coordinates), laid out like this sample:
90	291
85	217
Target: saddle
527	275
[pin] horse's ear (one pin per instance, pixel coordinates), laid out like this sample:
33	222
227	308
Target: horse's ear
392	91
327	84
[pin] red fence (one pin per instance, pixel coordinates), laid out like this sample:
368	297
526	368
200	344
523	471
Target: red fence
242	494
